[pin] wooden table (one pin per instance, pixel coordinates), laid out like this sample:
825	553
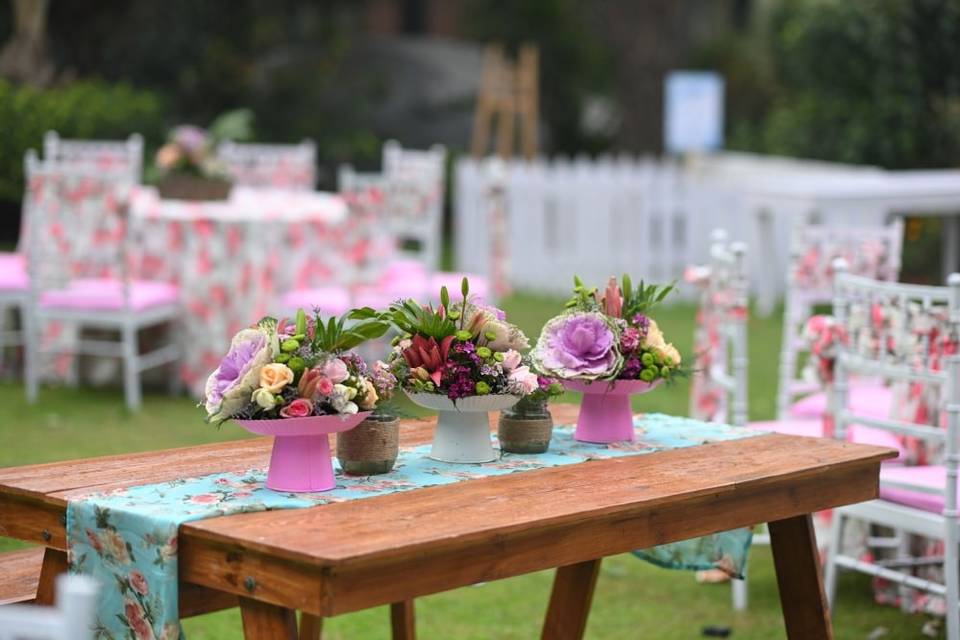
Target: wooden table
390	549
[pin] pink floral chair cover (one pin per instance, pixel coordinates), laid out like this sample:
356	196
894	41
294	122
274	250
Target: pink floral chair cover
900	332
872	252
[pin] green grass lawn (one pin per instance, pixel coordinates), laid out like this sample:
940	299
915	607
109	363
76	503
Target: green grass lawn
633	599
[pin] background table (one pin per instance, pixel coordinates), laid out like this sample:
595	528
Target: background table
390	549
233	259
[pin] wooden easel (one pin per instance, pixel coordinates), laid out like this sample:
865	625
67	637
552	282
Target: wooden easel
509	91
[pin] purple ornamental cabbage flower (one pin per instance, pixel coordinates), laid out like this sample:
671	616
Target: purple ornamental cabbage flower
193	140
229	387
582	346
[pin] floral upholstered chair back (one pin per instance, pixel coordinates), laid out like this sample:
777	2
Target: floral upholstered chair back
123	157
282	166
871	252
719	389
78	226
909	335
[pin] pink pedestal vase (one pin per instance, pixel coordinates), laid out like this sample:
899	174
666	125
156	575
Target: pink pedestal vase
300	461
605	413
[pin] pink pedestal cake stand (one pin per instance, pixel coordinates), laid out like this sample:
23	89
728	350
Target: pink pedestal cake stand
300	461
605	413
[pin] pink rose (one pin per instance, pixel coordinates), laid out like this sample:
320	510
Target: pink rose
336	370
299	408
524	380
138	624
511	359
205	498
325	386
139	582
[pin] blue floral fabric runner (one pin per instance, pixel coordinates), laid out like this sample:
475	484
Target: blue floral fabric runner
127	538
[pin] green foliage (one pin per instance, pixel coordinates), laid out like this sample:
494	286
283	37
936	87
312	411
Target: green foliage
86	109
644	298
335	336
411	318
236	125
870	82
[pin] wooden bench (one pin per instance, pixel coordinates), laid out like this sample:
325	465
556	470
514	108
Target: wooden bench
20	575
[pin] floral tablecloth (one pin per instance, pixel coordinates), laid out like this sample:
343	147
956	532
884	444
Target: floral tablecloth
234	259
127	538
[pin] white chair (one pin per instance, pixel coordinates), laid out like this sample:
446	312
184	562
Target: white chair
719	387
280	166
79	269
121	156
71	619
907	333
872	252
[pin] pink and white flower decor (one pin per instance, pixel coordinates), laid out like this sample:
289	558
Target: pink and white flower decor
298	381
462	359
607	347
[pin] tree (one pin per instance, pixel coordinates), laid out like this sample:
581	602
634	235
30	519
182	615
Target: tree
25	58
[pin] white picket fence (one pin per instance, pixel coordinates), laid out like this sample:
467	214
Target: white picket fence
608	216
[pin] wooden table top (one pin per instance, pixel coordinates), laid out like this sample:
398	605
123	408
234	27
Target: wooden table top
347	556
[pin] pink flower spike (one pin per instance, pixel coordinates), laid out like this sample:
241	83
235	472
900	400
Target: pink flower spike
612	300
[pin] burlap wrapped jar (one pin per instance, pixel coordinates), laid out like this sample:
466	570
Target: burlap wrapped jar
525	428
371	447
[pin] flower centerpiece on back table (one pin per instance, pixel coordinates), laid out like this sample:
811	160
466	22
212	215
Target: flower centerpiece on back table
462	360
187	167
299	382
607	347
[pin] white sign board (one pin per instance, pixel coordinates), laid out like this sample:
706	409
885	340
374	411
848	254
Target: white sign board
693	111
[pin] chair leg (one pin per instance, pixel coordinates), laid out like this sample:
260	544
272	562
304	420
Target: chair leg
952	573
31	355
830	570
738	589
131	370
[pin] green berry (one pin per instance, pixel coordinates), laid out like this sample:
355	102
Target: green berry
665	372
484	352
290	345
648	375
482	388
463	335
490	335
297	364
454	315
283	358
647	359
498	356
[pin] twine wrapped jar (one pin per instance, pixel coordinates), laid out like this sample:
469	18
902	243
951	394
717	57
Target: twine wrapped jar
527	427
370	448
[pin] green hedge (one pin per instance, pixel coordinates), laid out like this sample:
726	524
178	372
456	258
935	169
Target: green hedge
84	109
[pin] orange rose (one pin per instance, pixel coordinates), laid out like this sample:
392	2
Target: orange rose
275	376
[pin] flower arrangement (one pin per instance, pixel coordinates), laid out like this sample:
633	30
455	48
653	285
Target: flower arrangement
458	350
608	336
189	149
297	369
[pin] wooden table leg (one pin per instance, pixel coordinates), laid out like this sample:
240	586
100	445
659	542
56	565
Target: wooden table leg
403	621
267	621
805	611
54	563
570	601
311	626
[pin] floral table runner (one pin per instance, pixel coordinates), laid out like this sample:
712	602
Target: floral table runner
127	538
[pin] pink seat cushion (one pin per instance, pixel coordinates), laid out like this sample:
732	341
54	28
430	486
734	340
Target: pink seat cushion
13	272
374	297
858	433
479	286
107	294
869	398
931	477
405	279
331	301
